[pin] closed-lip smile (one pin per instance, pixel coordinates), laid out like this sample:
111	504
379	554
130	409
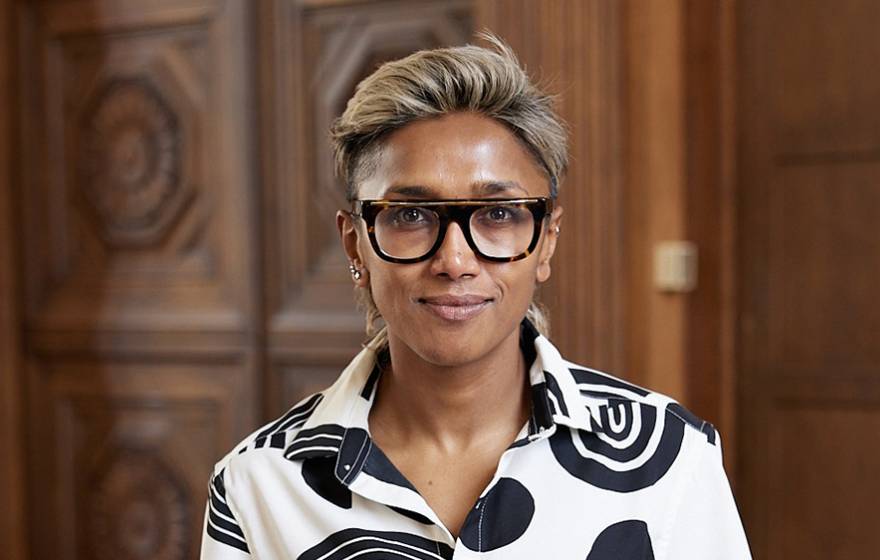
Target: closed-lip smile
456	307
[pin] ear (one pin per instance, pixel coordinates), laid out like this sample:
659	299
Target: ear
548	247
348	234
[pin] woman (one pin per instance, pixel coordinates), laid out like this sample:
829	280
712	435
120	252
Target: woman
459	431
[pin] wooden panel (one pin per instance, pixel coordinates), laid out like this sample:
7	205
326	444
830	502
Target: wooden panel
710	216
132	222
121	455
823	510
575	48
12	502
832	113
825	240
139	263
318	52
809	328
656	189
803	509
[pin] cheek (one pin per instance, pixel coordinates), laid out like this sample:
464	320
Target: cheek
390	286
517	283
382	295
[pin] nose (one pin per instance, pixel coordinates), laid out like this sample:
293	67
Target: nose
455	258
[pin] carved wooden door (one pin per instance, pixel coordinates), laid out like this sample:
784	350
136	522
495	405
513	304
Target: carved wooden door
809	269
139	243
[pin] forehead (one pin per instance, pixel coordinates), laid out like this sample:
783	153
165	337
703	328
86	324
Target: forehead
461	155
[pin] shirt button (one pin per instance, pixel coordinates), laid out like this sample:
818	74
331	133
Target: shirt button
346	467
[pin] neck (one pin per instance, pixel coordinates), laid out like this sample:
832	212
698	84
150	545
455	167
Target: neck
452	407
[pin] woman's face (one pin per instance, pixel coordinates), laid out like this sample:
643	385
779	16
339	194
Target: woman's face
455	307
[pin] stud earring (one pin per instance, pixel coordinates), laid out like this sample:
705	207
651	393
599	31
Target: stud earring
556	229
355	273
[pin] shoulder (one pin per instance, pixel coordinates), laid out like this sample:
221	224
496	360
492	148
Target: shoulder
621	436
591	400
605	393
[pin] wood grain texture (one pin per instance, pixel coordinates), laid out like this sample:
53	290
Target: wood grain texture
655	191
133	221
12	464
123	452
139	247
809	326
680	185
710	216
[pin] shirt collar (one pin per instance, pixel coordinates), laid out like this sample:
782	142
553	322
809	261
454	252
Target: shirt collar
556	398
339	424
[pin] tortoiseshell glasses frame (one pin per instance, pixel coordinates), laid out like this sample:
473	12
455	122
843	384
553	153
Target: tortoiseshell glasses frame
459	211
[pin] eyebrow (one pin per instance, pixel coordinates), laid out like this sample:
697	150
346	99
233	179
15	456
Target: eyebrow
478	189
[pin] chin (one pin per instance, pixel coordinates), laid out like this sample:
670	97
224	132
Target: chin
450	355
455	346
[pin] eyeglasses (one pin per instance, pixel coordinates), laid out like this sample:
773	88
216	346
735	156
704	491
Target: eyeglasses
497	229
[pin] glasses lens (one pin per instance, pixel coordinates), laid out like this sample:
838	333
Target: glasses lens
406	232
503	230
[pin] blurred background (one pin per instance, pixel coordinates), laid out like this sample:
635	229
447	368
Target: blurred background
170	277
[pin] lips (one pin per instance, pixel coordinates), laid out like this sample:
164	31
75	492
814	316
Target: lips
456	308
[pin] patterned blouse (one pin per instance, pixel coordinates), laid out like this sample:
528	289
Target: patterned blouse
603	470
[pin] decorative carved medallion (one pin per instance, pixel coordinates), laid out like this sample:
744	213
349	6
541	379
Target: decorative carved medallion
139	510
130	160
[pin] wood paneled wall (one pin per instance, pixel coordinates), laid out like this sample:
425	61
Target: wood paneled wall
679	185
655	188
710	216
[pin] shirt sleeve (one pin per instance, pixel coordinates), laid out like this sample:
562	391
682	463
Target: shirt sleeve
222	538
707	523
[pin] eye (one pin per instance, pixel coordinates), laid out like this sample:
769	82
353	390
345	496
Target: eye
410	216
500	213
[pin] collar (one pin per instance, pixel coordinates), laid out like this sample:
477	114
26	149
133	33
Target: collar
556	398
339	424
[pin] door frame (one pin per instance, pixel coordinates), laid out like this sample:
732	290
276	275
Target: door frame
12	514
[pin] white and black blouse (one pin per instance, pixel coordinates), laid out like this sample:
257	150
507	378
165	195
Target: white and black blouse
603	470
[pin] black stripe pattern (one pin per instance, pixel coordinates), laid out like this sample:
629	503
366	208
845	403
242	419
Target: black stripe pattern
384	545
320	441
294	418
222	525
693	421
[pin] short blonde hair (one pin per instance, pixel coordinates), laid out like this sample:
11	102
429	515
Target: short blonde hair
433	83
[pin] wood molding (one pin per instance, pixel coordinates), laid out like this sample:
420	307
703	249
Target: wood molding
655	189
12	515
681	186
710	216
